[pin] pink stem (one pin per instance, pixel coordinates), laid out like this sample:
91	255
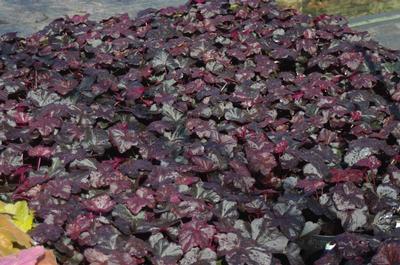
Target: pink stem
38	165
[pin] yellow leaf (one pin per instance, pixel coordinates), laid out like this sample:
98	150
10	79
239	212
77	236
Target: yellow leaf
6	245
18	236
10	235
22	216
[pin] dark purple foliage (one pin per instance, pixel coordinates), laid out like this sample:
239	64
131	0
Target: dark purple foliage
217	132
196	233
99	204
388	254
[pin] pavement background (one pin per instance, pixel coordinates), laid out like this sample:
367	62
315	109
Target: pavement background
383	27
28	16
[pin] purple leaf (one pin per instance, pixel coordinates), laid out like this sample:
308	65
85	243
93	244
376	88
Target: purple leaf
388	254
40	151
351	59
100	204
196	234
80	224
122	137
209	132
46	233
346	175
143	197
238	251
360	81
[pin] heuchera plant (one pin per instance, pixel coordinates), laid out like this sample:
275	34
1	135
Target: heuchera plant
217	132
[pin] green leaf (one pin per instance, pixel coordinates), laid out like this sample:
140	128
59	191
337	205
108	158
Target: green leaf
171	113
208	195
41	97
96	140
21	215
163	60
164	249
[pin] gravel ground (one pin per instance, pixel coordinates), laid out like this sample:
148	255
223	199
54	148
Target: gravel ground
28	16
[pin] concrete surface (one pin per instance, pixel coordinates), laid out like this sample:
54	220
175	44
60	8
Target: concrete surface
383	27
28	16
